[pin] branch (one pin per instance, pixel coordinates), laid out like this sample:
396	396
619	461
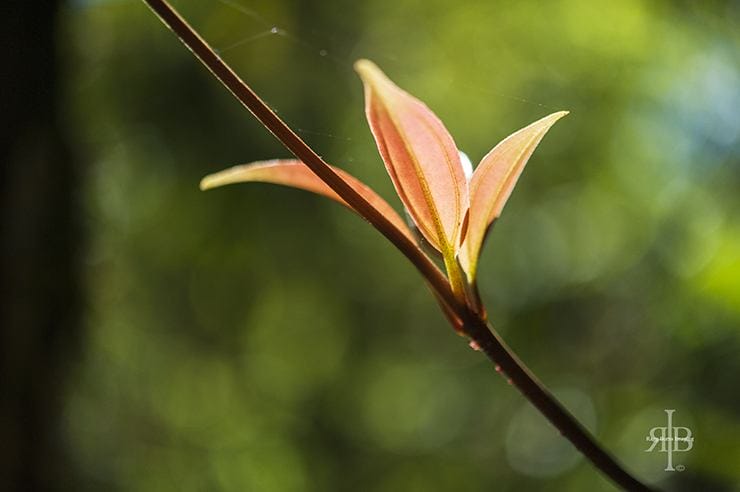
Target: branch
197	45
474	324
528	384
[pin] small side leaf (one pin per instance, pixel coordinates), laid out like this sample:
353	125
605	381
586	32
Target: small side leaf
295	174
492	184
420	156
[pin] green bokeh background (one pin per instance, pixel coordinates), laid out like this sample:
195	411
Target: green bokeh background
260	338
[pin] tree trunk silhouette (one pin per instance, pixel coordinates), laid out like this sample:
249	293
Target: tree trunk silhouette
40	245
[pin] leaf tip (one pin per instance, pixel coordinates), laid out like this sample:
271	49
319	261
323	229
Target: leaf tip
221	178
365	67
370	73
548	121
206	183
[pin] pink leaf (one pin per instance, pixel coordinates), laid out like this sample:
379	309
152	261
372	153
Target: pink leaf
493	182
420	157
295	174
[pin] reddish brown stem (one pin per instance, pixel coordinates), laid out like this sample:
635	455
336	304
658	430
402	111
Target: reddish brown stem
197	45
474	325
500	354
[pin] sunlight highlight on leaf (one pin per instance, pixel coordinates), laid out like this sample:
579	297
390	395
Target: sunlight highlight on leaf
420	157
493	181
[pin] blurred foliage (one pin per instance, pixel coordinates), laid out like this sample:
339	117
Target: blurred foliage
260	338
